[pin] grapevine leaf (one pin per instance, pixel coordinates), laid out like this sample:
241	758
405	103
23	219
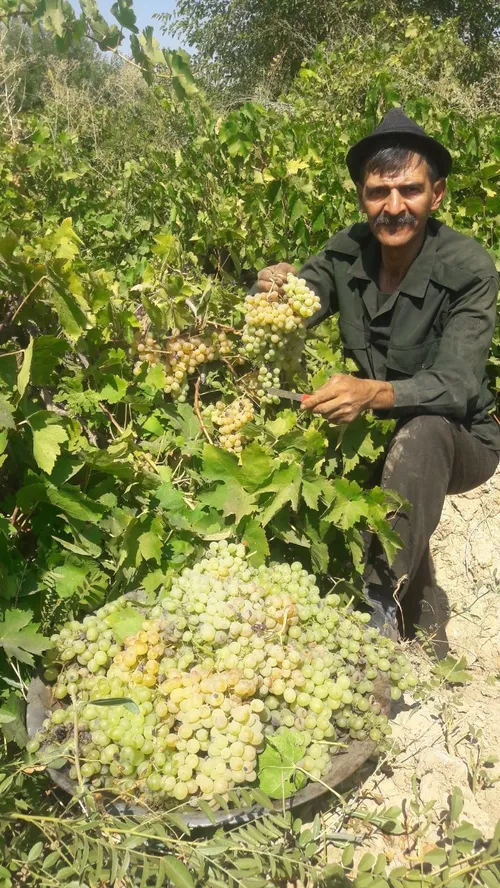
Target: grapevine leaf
218	465
320	556
12	720
156	378
256	465
53	17
285	483
354	542
20	640
253	536
125	15
285	421
47	353
177	872
230	499
68	578
6	417
125	622
23	376
74	503
114	390
278	774
47	438
126	702
150	546
312	488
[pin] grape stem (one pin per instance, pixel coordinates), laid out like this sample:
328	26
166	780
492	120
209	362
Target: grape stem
197	410
77	748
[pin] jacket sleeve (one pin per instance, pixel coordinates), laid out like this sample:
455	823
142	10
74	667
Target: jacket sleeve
318	273
451	385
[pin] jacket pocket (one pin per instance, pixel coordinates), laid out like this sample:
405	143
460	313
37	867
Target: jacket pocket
408	361
355	347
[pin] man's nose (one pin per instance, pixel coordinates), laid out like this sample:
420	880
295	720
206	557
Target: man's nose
394	204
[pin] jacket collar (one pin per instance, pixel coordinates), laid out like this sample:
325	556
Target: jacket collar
367	263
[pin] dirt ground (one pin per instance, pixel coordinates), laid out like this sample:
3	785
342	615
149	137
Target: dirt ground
446	738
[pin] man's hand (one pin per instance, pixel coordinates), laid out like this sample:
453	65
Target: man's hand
344	397
273	277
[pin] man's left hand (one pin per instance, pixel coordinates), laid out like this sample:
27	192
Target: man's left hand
344	397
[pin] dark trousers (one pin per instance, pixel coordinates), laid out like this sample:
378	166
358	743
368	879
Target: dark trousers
428	458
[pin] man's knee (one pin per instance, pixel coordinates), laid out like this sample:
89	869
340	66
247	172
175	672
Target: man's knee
418	442
424	427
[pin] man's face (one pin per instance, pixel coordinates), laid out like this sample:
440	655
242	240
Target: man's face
398	205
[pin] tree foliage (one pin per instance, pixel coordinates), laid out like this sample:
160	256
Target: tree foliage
254	49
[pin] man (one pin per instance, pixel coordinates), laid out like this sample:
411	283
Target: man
416	303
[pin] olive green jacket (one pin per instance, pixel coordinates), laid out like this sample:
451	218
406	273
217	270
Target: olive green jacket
431	337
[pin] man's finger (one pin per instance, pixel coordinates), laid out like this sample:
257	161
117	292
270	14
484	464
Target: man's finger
264	286
330	406
323	394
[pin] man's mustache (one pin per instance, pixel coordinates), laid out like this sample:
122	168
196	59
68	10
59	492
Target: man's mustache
395	221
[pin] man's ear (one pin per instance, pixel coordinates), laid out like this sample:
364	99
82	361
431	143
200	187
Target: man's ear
439	191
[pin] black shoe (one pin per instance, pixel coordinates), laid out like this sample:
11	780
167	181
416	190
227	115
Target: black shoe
384	614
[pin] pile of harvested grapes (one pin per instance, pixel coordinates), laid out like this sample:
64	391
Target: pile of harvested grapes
232	657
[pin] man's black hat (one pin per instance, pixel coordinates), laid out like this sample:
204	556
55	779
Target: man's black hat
397	129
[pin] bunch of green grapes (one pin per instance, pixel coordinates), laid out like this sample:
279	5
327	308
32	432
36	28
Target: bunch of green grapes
230	656
275	328
231	420
181	356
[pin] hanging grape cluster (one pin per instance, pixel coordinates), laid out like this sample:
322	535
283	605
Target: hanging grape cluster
275	329
231	420
180	357
232	655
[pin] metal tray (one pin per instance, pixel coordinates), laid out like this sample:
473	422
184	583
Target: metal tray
343	766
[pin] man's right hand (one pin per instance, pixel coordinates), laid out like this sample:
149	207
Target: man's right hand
273	277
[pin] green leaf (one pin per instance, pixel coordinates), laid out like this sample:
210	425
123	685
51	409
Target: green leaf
312	488
125	622
20	640
6	417
13	720
256	465
285	421
177	872
253	536
53	18
74	503
150	546
126	702
23	376
466	831
68	578
230	499
34	852
366	862
285	483
436	857
114	391
125	15
456	803
156	378
218	465
48	435
278	775
452	671
47	354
